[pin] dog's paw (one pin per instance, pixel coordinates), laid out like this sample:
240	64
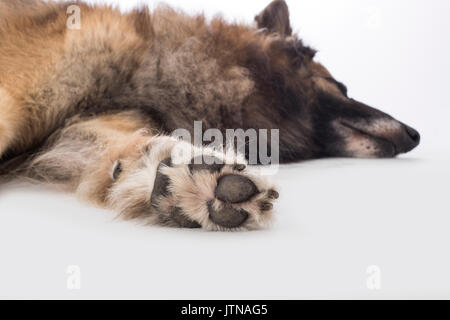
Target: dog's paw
233	195
211	194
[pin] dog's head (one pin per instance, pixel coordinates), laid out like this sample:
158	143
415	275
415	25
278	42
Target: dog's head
312	108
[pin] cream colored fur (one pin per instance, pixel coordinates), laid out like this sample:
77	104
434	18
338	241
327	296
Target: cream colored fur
81	159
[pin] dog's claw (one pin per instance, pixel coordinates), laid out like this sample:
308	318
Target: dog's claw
272	194
266	206
240	167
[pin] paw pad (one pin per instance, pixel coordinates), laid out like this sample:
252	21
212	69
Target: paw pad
208	163
161	184
235	189
182	221
228	216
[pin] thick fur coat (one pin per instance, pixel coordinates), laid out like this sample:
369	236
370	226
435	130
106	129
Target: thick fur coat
89	110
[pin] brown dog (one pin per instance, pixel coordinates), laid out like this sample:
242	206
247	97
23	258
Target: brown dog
89	109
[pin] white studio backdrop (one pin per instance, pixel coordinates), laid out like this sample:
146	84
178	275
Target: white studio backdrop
347	228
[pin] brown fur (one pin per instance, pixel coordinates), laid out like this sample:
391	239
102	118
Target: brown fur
74	103
92	69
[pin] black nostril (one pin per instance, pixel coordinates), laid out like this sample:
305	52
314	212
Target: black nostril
413	134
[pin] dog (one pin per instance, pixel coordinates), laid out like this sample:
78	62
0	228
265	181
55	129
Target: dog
90	110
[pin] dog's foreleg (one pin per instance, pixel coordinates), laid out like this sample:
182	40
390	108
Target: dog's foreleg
10	116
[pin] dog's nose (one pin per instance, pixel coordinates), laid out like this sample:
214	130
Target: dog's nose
410	140
414	135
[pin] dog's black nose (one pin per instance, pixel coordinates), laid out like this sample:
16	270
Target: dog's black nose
410	139
414	135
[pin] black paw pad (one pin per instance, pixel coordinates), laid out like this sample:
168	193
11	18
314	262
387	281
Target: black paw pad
161	185
182	221
227	217
235	189
208	163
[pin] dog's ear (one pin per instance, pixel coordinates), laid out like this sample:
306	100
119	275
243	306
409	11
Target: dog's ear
275	18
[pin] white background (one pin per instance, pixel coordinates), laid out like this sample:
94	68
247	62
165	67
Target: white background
335	217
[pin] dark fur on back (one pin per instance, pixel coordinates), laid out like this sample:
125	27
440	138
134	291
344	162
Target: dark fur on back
177	69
